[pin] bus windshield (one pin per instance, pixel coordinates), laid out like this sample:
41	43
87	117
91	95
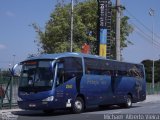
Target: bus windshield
36	76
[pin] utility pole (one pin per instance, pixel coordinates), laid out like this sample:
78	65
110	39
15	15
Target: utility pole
71	42
118	20
151	13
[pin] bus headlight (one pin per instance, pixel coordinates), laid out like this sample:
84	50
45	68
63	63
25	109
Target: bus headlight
48	99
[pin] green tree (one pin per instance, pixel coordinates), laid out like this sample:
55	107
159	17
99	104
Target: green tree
148	69
56	36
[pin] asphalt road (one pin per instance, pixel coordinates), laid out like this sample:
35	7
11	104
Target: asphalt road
139	111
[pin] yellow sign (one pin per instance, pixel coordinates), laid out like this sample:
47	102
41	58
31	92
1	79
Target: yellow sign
102	50
69	86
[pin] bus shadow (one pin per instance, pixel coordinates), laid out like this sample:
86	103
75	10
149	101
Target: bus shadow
108	108
41	113
67	112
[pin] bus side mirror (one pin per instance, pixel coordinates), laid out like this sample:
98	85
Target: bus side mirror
15	71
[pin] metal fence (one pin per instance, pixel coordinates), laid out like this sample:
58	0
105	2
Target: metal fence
8	92
150	88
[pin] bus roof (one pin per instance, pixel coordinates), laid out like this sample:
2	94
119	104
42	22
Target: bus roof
65	54
68	54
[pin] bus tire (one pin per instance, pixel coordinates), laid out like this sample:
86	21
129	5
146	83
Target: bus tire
78	105
128	103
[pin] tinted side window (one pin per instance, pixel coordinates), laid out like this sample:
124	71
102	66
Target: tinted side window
113	68
120	69
136	71
72	67
128	69
97	66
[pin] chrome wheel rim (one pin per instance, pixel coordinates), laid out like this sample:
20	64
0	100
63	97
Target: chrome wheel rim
129	103
78	105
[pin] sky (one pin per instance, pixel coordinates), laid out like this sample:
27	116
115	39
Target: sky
144	25
17	36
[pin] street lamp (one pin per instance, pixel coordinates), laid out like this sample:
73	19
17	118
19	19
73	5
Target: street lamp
151	13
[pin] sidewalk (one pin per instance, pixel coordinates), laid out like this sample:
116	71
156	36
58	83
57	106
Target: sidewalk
10	110
152	98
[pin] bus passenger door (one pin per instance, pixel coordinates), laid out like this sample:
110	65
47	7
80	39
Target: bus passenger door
59	86
69	73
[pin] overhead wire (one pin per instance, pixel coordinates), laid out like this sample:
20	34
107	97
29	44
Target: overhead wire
141	23
140	32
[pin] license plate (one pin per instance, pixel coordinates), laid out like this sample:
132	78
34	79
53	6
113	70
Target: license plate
32	105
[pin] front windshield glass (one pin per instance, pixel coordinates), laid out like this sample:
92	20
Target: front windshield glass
37	74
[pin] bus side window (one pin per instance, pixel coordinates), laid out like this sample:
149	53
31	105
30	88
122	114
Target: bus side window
72	67
60	74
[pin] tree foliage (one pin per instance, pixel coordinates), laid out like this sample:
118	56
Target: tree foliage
148	64
56	36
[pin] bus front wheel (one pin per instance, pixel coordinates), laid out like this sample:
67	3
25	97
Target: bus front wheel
78	105
128	101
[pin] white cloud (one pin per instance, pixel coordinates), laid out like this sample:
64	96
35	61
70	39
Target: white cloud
2	46
10	14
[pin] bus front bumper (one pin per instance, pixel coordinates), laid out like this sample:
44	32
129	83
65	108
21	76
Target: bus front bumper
36	105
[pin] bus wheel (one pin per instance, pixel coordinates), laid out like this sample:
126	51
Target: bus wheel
128	101
78	106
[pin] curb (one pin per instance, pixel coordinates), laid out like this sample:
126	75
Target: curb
9	110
